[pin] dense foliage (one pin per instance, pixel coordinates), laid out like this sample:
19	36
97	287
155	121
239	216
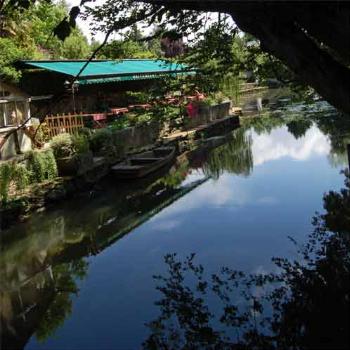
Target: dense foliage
130	45
38	166
30	35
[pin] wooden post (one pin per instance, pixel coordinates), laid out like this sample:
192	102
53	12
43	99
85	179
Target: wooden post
348	147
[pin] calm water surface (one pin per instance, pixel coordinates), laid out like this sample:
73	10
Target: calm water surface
80	277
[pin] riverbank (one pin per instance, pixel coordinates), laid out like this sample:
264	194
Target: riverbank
44	195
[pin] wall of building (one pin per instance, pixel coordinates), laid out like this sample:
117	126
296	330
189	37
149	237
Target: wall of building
14	109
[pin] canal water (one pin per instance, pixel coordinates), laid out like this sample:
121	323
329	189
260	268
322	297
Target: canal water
81	276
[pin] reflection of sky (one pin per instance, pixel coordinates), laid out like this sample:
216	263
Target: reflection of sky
235	221
280	143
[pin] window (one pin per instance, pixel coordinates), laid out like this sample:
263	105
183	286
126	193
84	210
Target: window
13	113
10	113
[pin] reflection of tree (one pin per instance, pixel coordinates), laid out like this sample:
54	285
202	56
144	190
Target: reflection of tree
337	128
305	305
64	277
40	304
234	157
264	125
176	175
298	128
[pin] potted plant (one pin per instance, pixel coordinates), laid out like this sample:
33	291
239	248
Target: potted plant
72	153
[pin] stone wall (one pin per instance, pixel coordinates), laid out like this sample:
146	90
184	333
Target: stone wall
138	137
208	114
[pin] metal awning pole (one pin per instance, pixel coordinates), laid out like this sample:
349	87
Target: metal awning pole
73	98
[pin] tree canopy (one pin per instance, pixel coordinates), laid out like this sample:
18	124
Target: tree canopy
312	39
29	34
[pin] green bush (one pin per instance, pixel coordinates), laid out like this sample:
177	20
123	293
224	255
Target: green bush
21	176
80	144
6	173
136	97
62	146
101	140
120	123
87	132
41	165
15	174
66	145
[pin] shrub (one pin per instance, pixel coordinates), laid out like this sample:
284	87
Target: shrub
120	123
101	140
62	146
136	97
85	132
6	173
21	176
41	165
14	174
80	144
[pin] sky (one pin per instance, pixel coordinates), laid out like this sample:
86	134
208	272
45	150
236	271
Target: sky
84	25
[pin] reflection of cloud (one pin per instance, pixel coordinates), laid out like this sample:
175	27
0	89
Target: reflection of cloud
267	200
224	192
165	225
194	175
280	143
217	194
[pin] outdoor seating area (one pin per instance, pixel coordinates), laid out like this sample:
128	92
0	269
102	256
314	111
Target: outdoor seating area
72	122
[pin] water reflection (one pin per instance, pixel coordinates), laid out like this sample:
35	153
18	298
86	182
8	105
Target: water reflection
39	304
42	261
305	305
235	157
330	132
280	143
38	271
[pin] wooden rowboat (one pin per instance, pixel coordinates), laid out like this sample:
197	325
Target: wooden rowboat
144	163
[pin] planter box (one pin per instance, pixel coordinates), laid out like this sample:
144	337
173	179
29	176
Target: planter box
76	165
66	166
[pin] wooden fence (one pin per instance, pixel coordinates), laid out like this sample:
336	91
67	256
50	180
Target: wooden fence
60	124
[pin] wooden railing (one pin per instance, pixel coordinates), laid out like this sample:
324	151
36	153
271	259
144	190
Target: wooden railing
60	124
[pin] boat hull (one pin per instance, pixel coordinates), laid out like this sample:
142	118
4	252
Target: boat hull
144	164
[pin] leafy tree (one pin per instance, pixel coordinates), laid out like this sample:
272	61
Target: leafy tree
30	35
10	52
119	49
132	45
294	34
75	46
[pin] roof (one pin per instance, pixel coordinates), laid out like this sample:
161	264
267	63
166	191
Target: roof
105	71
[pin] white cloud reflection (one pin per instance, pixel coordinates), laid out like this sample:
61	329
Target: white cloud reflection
280	143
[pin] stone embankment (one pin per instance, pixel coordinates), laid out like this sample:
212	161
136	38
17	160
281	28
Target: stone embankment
210	122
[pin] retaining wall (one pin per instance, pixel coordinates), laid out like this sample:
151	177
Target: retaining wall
208	114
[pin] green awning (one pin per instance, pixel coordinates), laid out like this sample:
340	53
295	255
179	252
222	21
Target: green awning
106	71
